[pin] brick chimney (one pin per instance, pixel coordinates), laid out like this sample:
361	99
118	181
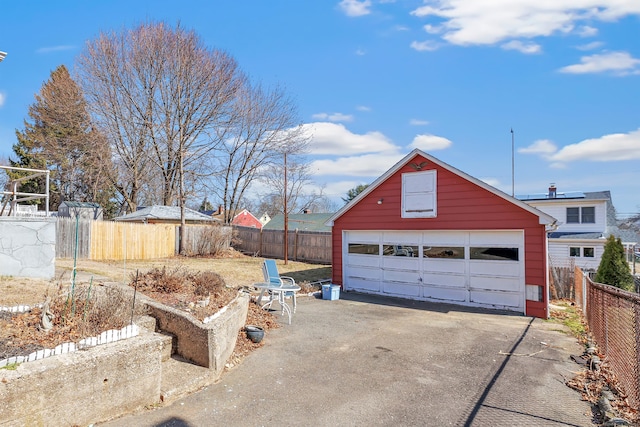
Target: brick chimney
552	191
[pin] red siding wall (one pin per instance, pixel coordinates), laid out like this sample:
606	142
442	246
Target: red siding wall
461	205
246	219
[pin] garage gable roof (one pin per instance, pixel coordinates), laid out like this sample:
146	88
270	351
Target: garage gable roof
543	217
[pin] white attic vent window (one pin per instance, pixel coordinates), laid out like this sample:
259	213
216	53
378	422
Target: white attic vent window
419	198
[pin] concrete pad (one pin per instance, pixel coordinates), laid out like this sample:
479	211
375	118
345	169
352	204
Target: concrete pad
370	360
181	378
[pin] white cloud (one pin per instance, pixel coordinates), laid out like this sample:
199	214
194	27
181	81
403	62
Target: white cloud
3	97
433	29
608	148
428	142
333	117
543	147
619	63
335	139
355	7
522	47
369	165
418	122
54	48
340	188
474	22
363	108
587	31
360	52
427	45
590	46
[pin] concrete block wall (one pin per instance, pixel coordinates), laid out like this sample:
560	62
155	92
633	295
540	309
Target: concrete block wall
27	247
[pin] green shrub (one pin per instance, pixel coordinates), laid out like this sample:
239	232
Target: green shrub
614	269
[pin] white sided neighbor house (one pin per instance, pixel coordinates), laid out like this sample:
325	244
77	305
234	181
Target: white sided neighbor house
425	230
585	220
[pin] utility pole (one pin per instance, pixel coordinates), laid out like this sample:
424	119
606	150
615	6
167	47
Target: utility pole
513	182
286	220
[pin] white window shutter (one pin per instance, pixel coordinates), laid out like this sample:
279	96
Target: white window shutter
419	196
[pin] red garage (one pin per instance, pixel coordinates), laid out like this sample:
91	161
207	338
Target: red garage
427	231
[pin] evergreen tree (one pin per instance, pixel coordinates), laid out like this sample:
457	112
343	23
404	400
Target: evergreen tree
205	205
59	136
614	268
353	193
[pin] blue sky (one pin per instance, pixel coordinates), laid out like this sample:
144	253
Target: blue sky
374	79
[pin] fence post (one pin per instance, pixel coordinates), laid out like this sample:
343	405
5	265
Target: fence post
584	292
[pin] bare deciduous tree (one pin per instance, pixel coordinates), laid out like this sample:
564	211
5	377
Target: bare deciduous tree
179	114
300	195
262	129
159	94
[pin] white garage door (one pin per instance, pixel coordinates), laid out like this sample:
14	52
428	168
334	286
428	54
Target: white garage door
478	268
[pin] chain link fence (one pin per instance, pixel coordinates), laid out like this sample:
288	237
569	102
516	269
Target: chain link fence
613	316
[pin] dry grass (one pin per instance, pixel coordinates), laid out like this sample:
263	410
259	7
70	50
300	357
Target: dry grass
88	308
236	270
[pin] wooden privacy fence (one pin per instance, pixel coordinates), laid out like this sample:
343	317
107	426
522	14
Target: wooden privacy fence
109	240
120	240
309	246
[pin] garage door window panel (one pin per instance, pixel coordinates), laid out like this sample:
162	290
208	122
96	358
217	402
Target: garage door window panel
494	253
364	249
443	252
400	250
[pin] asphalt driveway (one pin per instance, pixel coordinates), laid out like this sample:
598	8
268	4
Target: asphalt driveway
368	360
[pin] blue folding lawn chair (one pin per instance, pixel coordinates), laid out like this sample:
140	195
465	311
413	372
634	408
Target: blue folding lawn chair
280	287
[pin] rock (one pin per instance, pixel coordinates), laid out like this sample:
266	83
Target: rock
604	405
616	422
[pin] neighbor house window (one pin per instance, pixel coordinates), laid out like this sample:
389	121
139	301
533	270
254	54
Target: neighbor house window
584	215
364	249
588	215
497	254
419	198
573	215
586	252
